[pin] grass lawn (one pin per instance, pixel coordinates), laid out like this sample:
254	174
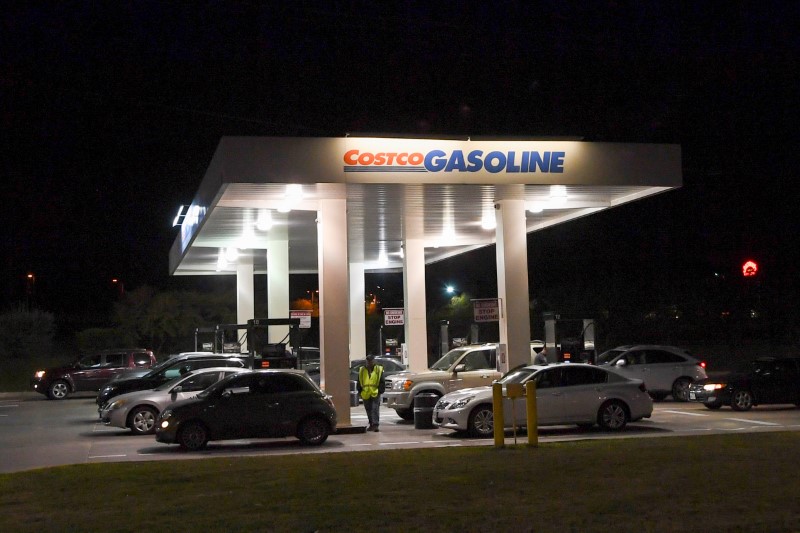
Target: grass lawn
746	482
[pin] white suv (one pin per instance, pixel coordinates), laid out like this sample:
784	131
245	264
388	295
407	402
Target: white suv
665	370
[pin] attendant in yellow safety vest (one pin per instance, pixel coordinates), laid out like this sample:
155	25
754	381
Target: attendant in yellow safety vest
370	388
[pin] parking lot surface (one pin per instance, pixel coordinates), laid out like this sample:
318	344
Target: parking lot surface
35	433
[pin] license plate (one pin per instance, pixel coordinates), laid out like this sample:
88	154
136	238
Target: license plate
692	396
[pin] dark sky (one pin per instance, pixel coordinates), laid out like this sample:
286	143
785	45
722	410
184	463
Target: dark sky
111	112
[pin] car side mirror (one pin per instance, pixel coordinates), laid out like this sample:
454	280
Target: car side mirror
227	393
621	362
177	389
459	368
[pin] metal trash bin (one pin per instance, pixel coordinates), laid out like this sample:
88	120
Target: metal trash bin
354	397
423	410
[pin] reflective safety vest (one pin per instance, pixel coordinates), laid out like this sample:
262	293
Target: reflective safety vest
370	382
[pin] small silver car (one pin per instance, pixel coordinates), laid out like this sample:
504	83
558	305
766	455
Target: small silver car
139	410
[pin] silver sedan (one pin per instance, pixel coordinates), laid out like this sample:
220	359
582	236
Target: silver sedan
567	393
139	410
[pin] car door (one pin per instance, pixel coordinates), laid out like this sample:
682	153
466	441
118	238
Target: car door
631	365
663	368
83	376
477	368
234	412
772	383
114	364
582	391
549	396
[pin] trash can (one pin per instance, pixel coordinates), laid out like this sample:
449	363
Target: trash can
354	397
423	410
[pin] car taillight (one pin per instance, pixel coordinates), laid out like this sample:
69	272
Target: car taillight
702	364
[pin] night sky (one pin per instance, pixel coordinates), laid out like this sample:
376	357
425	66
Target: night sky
111	112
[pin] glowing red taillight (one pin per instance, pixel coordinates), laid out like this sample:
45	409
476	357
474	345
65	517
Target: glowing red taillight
701	364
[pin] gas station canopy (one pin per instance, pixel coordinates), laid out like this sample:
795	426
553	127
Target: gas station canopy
258	185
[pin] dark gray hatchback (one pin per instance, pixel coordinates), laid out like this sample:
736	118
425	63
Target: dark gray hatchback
257	404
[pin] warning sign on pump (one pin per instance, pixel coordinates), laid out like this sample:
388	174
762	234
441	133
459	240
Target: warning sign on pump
486	310
394	317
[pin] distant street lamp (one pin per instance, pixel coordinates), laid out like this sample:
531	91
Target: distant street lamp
29	286
120	285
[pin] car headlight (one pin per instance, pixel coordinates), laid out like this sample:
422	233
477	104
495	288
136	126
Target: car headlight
713	386
117	404
406	384
458	404
164	419
39	374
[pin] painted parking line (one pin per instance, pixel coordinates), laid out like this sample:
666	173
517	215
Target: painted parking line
687	413
745	420
106	456
396	443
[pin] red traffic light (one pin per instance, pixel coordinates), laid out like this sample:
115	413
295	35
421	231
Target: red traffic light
749	268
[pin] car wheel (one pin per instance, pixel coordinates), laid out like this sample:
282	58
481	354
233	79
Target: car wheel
741	400
193	437
680	389
713	406
142	420
657	396
405	414
481	422
313	431
58	390
612	415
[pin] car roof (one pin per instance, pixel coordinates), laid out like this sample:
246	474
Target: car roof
216	369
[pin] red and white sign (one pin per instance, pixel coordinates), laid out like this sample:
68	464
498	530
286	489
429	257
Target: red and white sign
486	310
304	316
395	316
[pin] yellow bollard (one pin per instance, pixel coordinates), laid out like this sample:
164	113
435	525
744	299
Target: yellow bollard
497	415
533	419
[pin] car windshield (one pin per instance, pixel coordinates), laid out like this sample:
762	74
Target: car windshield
607	357
520	375
448	359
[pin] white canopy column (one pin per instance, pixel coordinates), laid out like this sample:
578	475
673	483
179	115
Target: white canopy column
358	319
245	306
512	274
334	301
414	296
278	276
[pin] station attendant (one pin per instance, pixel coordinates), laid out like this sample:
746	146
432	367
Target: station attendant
370	387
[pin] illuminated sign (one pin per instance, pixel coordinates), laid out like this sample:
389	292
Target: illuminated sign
494	162
486	309
394	316
749	268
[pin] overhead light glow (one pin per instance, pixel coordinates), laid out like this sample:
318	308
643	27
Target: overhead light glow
558	196
293	196
536	207
383	260
179	217
264	220
488	220
231	254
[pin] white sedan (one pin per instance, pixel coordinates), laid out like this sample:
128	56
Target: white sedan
139	410
566	393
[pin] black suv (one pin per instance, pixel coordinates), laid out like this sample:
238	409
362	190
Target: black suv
167	370
766	380
90	372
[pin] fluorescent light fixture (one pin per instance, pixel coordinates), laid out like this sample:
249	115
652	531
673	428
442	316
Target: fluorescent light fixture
488	220
558	196
222	263
231	253
293	195
179	217
536	207
264	220
383	260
